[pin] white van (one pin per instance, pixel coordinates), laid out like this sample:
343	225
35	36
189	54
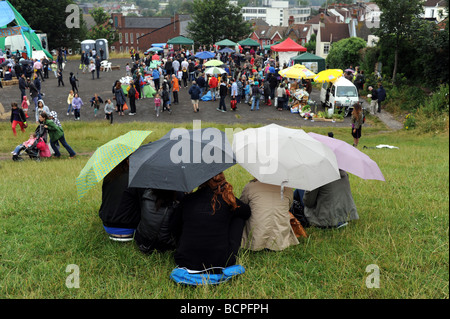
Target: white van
340	95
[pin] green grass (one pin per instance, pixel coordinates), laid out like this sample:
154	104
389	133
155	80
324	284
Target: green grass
403	228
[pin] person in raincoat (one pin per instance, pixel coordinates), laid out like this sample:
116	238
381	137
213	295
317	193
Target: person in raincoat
269	225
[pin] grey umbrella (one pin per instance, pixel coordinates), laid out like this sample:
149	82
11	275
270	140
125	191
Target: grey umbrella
181	160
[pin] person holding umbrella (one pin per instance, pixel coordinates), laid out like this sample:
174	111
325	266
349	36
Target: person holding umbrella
208	225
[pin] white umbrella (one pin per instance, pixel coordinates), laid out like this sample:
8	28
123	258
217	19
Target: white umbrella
215	70
287	157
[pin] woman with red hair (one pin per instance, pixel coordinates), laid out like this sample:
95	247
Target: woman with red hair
209	225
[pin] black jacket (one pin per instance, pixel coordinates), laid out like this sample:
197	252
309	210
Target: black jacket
223	89
204	237
153	231
120	204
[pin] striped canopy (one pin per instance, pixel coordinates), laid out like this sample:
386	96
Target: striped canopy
106	157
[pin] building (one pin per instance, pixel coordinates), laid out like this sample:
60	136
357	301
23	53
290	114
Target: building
267	34
277	13
140	33
434	10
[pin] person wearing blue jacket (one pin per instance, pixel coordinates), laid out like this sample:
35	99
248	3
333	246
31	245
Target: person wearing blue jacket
195	93
155	76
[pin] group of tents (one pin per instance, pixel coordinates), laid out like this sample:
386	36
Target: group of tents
288	51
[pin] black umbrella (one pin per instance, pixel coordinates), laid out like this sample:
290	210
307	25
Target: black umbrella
5	63
26	62
181	160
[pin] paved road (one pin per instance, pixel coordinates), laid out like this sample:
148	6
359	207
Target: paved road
55	98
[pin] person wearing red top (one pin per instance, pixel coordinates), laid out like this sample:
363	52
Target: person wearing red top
213	82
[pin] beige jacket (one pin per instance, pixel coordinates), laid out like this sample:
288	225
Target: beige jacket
269	225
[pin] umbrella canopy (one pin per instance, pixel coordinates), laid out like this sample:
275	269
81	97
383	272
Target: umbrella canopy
287	157
205	55
225	43
226	50
349	70
249	43
154	64
297	71
181	40
155	49
106	157
213	63
329	75
350	159
287	46
215	70
181	160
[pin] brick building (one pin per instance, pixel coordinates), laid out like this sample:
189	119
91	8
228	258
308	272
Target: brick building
141	32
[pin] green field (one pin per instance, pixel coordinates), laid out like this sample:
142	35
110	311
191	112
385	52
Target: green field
403	229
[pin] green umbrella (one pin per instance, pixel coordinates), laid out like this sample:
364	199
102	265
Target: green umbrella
106	157
213	63
154	64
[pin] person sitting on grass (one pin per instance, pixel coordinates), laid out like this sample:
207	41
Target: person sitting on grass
119	212
269	226
331	205
208	225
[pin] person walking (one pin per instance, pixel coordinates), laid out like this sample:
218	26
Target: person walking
223	91
77	102
69	102
213	86
22	86
97	66
92	69
155	76
256	96
17	118
381	92
132	96
357	121
109	110
60	78
195	93
56	134
175	89
120	98
374	102
73	82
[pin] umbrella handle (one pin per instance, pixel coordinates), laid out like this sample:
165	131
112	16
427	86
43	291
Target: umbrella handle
282	188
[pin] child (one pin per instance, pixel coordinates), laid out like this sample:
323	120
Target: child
95	102
17	117
69	101
157	103
128	69
109	110
247	91
19	148
77	103
54	68
25	105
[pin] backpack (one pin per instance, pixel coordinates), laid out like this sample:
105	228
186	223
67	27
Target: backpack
206	277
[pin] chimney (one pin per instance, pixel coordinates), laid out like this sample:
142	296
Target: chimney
291	21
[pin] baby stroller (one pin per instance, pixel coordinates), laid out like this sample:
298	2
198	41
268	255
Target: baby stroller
34	150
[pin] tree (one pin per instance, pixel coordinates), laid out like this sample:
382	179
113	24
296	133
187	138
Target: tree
103	28
311	45
396	21
346	52
49	16
215	20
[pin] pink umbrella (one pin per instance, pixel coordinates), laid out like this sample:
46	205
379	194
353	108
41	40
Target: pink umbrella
350	159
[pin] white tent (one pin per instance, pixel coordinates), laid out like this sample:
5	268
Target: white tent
39	54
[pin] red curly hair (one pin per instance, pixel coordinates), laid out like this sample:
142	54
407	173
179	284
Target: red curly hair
220	186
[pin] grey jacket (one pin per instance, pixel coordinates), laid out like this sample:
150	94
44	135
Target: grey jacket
331	203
